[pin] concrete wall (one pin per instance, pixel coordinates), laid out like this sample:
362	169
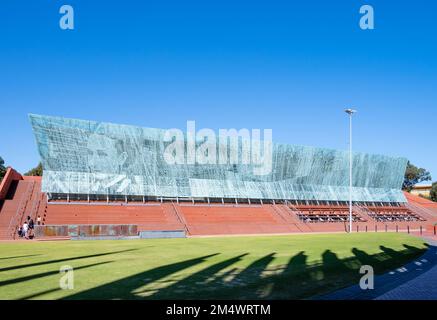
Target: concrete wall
10	176
162	234
86	230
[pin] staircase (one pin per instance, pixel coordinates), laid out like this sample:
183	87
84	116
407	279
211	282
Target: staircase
423	212
171	209
16	207
291	213
286	218
363	212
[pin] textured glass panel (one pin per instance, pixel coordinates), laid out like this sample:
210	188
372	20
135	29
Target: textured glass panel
90	157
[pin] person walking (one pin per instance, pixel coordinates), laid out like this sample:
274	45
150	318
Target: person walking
25	230
31	224
31	228
20	231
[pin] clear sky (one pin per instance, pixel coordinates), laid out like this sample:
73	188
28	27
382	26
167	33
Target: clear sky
290	66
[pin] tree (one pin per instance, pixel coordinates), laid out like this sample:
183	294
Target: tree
414	175
433	192
37	171
2	168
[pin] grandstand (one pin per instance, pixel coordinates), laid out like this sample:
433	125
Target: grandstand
87	192
23	197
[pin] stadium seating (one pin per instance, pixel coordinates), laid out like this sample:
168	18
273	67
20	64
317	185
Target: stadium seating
11	208
153	217
229	219
390	214
24	198
324	214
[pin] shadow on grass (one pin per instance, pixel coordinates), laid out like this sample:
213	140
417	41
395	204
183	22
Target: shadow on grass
124	288
62	260
16	257
397	276
46	274
40	294
296	280
206	279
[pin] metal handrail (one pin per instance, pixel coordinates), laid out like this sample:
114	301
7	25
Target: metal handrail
28	198
181	219
35	204
21	207
38	200
295	210
414	208
278	212
365	211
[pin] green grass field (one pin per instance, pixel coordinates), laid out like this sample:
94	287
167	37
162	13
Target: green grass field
269	267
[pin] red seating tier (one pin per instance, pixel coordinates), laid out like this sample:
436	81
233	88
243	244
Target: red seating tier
25	198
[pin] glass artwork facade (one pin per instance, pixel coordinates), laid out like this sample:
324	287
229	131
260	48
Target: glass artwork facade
87	157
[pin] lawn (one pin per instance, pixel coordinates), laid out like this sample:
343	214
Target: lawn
267	267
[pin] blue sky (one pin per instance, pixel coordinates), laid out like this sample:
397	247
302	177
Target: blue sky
291	66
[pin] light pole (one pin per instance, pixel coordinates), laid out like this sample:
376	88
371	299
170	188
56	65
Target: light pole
350	112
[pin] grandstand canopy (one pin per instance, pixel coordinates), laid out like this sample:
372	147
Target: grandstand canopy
88	157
